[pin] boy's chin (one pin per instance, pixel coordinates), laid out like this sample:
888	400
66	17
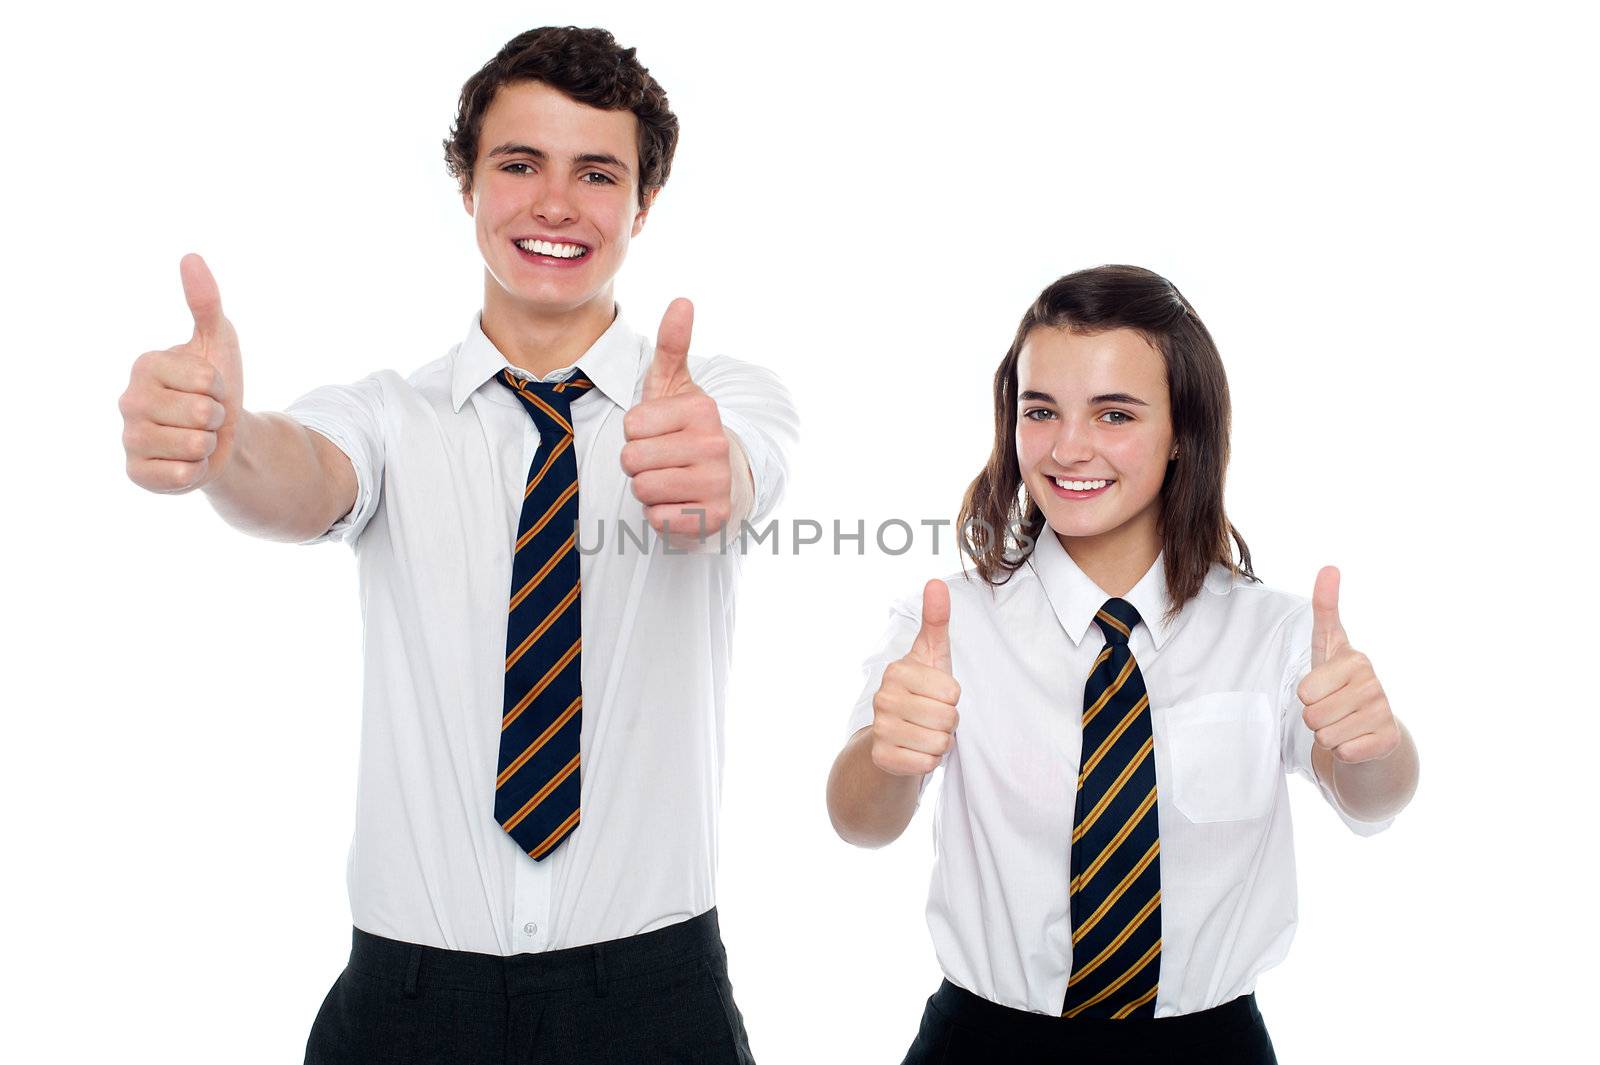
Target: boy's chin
542	301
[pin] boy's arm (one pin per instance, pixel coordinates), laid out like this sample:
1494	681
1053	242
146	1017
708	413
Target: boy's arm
185	427
742	494
284	481
706	450
759	419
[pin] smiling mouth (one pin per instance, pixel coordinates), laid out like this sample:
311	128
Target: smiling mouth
1081	486
553	250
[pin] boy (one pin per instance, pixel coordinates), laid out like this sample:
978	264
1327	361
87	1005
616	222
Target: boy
531	874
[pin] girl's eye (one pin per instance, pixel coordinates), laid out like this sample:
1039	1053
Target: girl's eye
1125	418
1043	412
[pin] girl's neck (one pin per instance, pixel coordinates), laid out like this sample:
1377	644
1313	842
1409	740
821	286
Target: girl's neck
1114	560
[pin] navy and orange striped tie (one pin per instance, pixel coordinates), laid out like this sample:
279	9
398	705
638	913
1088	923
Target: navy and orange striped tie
537	789
1116	843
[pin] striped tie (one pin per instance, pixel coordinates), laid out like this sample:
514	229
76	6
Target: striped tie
1116	846
536	792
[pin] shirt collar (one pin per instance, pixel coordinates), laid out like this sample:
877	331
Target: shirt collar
612	363
1076	599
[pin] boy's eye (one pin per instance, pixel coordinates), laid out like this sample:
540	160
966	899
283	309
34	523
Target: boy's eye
604	179
508	166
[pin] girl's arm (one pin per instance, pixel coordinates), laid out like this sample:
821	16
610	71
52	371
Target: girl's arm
1374	789
875	781
868	806
1362	752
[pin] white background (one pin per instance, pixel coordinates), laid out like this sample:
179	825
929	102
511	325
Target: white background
1383	213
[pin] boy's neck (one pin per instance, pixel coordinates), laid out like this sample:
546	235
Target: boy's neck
541	342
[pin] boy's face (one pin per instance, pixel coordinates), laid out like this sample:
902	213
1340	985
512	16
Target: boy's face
1090	409
555	170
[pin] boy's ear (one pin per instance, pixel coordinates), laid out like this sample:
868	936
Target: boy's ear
466	200
644	211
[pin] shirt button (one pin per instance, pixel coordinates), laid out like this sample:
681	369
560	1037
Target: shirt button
530	928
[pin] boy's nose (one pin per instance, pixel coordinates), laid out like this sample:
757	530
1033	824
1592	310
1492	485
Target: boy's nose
552	207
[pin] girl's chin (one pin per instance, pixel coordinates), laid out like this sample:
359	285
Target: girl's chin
1072	526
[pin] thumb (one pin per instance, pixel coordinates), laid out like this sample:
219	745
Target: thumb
669	369
932	645
205	302
1327	634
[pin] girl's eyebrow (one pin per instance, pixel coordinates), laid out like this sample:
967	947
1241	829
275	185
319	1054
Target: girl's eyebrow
1104	397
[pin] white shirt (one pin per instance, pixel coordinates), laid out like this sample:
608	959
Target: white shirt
441	458
1228	729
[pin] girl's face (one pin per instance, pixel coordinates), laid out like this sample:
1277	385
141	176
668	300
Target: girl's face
1094	434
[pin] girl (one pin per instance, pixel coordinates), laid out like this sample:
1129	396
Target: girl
1114	860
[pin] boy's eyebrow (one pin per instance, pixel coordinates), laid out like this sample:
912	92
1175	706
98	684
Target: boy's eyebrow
602	158
517	149
1104	397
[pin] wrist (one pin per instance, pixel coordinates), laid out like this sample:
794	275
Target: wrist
241	446
741	480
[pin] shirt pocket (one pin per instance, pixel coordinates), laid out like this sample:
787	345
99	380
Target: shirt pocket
1222	749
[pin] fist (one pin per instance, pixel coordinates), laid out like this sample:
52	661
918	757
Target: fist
1344	703
914	711
182	404
677	454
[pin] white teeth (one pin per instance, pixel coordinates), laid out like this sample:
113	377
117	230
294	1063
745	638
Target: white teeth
545	247
1079	486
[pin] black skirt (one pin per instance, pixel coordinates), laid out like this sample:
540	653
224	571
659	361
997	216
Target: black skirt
959	1027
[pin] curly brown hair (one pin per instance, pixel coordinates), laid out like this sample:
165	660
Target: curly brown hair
585	64
1000	522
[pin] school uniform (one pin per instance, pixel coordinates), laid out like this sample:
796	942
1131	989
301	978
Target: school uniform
481	932
1223	729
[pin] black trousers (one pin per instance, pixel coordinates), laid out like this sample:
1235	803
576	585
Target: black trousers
959	1027
663	996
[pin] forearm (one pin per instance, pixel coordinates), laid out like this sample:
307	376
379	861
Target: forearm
1374	790
867	806
742	492
283	481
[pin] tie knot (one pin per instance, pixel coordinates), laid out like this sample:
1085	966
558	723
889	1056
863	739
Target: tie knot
1117	619
548	400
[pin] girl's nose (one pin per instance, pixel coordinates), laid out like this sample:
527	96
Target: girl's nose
1071	443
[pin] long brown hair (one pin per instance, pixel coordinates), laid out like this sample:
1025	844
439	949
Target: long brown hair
998	517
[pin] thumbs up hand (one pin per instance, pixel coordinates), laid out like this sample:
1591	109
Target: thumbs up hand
1344	703
678	455
914	711
182	405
